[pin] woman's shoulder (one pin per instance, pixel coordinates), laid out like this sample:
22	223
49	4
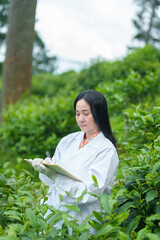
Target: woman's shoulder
71	136
105	142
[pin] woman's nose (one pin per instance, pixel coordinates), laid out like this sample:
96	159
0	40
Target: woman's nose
81	118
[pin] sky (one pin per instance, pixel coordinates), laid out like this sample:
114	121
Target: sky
79	31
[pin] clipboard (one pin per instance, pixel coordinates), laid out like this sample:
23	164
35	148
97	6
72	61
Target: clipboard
59	170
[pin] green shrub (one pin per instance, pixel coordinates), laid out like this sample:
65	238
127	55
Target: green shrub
142	61
142	124
134	89
36	125
141	195
98	72
52	85
23	218
131	212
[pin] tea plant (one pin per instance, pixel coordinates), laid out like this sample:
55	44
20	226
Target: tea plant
142	190
142	124
32	128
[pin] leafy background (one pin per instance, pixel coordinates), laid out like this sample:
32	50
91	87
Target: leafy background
37	122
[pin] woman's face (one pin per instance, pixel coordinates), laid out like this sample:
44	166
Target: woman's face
85	119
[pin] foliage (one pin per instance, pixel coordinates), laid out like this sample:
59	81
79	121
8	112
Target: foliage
42	62
37	125
52	85
41	59
147	22
122	93
144	121
131	212
140	170
99	71
141	60
142	190
22	217
4	18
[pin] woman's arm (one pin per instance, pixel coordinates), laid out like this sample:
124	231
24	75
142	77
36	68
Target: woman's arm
104	168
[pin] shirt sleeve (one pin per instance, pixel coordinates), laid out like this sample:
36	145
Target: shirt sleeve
104	168
57	155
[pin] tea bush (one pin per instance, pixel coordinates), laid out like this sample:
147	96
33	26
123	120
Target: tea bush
142	61
99	71
142	191
131	212
142	124
140	171
52	85
35	126
22	215
133	90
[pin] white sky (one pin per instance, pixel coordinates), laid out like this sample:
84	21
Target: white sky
82	30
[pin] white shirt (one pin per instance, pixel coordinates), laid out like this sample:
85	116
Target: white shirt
99	158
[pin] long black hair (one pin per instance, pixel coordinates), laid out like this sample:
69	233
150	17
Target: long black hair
99	111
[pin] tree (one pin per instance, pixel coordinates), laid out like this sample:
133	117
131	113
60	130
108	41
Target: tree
3	23
147	22
42	62
18	63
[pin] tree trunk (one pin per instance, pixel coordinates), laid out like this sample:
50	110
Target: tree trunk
17	69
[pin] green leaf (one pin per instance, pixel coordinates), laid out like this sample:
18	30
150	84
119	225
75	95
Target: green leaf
141	234
133	224
95	224
98	215
31	216
72	207
151	195
42	223
125	207
84	236
9	238
95	181
1	231
153	217
79	199
122	217
84	225
107	229
107	203
13	214
123	236
152	236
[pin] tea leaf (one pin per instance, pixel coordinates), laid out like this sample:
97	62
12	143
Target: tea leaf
31	216
151	196
152	236
153	217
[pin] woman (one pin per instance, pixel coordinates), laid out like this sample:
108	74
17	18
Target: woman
88	152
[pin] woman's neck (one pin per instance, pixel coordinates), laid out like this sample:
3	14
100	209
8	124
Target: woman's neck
88	135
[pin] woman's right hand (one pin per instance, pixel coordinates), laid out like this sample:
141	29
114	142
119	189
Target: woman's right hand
41	168
37	165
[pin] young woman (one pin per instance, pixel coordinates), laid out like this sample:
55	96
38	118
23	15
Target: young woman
88	152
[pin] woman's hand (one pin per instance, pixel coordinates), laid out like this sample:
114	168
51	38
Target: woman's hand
41	168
